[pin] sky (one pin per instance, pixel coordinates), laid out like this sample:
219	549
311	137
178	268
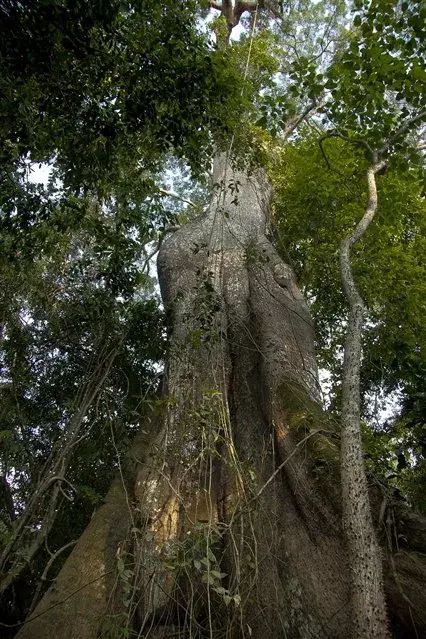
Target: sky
39	173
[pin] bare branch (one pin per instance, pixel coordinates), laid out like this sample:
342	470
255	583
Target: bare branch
177	197
169	229
228	10
57	603
361	227
324	38
374	153
298	119
53	475
324	155
241	7
59	478
281	466
357	141
215	5
18	565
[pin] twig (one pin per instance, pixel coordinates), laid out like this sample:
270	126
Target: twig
404	128
168	229
357	141
287	459
57	603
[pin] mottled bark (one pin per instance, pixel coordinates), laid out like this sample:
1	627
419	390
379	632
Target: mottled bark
241	368
74	607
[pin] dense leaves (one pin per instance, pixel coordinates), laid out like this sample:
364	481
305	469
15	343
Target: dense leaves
377	82
81	337
109	82
316	205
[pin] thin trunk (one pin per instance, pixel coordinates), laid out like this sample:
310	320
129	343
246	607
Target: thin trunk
7	499
43	505
368	601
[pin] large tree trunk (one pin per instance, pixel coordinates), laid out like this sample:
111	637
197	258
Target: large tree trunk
241	375
239	531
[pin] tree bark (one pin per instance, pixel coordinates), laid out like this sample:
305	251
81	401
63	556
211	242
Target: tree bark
77	603
241	377
74	607
368	601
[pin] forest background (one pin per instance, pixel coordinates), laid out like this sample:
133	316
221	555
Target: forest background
128	102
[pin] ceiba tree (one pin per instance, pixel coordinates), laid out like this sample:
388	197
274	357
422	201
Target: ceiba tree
228	520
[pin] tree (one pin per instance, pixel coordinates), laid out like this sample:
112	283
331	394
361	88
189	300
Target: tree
237	528
73	254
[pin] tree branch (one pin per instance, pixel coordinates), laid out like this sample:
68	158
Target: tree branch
404	128
43	577
323	153
169	229
176	196
241	7
53	474
57	603
348	281
266	4
228	12
374	153
281	466
18	565
298	119
8	499
357	141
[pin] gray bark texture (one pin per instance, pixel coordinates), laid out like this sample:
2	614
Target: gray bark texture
236	519
241	376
